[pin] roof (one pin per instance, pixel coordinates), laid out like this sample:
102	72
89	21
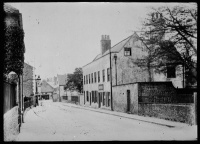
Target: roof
52	84
115	48
62	79
9	9
45	87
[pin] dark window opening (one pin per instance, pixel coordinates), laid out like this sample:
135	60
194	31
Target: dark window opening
127	51
171	71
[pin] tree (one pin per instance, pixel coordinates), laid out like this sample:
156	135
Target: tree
75	81
172	38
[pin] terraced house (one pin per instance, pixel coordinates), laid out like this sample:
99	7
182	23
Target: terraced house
105	78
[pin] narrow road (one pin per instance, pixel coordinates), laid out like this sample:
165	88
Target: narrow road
59	122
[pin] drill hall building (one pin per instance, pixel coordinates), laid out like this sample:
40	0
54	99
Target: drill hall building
111	76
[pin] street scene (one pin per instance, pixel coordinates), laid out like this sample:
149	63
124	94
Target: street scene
100	71
69	122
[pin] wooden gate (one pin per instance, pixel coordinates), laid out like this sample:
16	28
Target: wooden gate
9	96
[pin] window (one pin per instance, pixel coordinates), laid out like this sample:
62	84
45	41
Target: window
84	80
103	98
108	74
95	77
89	78
92	96
92	77
127	51
87	96
108	99
98	76
171	71
103	75
84	96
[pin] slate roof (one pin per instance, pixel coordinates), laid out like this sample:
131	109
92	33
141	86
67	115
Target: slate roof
62	79
45	87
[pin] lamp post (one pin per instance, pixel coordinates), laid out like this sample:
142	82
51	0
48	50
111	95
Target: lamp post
115	57
37	81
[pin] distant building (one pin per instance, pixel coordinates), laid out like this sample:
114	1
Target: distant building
46	90
61	80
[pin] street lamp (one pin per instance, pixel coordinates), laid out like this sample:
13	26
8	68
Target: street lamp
36	82
115	57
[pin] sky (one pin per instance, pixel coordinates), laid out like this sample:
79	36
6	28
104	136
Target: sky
60	37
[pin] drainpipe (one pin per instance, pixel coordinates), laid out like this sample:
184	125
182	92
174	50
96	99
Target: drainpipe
111	82
22	100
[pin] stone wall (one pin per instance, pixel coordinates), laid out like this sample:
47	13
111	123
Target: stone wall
11	127
175	112
120	98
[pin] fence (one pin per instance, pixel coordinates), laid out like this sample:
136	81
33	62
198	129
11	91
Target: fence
9	96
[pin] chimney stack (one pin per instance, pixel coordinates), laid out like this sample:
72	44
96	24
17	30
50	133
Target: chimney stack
105	43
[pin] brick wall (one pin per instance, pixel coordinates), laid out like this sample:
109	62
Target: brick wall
28	84
11	127
174	112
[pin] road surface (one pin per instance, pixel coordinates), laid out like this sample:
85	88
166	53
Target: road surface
56	121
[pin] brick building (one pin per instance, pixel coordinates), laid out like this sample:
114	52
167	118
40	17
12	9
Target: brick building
122	58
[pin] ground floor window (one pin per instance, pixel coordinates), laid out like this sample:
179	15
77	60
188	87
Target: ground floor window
87	96
103	98
108	99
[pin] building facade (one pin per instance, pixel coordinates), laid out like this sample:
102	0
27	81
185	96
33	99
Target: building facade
28	80
122	60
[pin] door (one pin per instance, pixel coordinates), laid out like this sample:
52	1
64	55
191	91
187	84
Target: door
90	98
99	100
128	100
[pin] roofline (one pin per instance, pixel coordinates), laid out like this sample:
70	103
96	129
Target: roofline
97	59
111	52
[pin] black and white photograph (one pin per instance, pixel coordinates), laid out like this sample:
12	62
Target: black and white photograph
99	71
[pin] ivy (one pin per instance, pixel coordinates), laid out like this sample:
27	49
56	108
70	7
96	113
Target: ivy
13	50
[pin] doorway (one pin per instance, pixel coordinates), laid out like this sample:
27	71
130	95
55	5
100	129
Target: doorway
90	98
99	99
128	100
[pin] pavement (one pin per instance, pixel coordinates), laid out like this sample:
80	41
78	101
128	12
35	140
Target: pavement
153	120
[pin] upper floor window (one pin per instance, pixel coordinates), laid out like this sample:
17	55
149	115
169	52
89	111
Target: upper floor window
103	75
108	74
92	77
95	77
127	51
171	71
84	80
98	76
89	78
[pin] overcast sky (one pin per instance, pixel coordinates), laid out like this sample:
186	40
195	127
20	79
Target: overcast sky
60	37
